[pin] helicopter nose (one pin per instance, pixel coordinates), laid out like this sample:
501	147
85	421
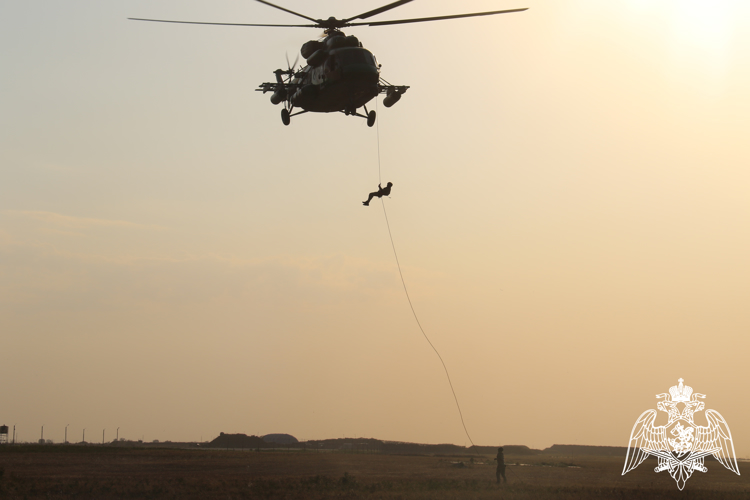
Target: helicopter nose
365	72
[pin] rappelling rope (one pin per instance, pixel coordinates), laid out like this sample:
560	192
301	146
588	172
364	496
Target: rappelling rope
377	130
398	265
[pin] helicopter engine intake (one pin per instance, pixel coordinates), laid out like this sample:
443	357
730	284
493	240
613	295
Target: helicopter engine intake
309	48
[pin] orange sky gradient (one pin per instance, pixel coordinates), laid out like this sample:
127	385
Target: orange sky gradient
570	210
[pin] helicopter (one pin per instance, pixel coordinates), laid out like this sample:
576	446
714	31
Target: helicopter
340	75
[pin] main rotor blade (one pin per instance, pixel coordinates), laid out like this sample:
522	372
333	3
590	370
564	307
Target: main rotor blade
287	10
379	10
439	18
228	24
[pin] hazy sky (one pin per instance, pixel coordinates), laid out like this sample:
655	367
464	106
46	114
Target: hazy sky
570	208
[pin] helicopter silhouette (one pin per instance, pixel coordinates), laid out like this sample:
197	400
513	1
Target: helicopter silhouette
340	74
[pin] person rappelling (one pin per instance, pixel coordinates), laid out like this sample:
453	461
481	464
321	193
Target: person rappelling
382	191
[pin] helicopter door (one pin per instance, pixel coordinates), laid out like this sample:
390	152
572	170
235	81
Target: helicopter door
332	69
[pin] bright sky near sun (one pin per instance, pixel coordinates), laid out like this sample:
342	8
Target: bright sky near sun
570	210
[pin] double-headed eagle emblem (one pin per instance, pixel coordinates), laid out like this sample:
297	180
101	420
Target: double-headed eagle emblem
684	452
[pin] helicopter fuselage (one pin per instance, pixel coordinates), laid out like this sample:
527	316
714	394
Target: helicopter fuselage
347	80
340	76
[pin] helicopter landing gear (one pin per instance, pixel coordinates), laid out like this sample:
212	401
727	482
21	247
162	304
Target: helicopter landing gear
286	114
369	115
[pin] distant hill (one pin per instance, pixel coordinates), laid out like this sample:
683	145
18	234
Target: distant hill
280	439
237	441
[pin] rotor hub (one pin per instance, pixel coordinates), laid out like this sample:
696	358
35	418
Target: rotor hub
332	23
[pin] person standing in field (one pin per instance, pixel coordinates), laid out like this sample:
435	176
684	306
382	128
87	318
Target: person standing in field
500	466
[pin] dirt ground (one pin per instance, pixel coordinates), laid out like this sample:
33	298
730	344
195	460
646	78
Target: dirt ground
62	472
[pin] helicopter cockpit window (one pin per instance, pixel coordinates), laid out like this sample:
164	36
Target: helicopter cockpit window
355	56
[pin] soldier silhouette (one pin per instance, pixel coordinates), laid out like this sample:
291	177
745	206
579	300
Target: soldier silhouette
382	191
500	466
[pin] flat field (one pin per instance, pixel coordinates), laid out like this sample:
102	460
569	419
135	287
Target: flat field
62	472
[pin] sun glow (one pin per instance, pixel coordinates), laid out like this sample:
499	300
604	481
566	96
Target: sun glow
700	40
702	25
700	33
697	36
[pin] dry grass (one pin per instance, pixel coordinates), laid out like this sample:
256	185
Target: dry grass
99	472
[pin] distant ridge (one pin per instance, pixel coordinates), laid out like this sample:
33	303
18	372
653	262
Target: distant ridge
371	445
577	450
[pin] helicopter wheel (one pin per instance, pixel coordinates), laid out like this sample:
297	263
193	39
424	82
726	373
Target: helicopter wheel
285	116
371	118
